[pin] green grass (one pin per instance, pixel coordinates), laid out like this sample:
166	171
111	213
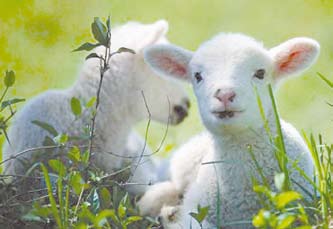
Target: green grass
37	35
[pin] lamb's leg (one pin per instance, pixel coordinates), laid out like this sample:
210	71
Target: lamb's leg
184	165
157	196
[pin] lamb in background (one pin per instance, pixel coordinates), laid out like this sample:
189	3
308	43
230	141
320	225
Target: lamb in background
121	105
224	72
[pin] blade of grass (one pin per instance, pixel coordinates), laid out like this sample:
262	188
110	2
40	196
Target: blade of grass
50	195
258	168
282	146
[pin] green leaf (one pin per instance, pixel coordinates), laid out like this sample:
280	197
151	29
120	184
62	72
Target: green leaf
32	217
279	181
91	102
46	127
264	190
74	154
108	24
61	139
327	81
58	167
100	219
261	219
123	49
7	103
201	215
132	219
76	106
93	55
42	211
94	200
50	195
9	78
303	227
86	156
105	197
286	222
99	31
76	182
86	47
121	210
282	199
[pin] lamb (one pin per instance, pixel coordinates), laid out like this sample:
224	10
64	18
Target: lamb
121	105
227	73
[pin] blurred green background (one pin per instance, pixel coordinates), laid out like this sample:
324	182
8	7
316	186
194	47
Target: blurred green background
36	38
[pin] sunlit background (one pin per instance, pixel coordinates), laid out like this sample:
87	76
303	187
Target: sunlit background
36	39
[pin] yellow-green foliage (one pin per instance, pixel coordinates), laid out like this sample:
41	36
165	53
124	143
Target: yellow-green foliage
36	38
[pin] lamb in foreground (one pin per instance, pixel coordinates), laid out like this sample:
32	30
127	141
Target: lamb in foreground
121	106
227	73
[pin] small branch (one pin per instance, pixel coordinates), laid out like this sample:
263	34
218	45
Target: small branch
93	119
25	193
35	149
115	173
79	200
3	94
146	135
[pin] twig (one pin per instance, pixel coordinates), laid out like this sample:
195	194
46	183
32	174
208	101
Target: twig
79	200
142	154
93	119
146	136
35	149
115	173
3	94
25	193
27	151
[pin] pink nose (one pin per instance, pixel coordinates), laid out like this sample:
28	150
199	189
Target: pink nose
225	97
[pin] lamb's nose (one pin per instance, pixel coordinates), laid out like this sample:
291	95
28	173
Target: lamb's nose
180	111
225	97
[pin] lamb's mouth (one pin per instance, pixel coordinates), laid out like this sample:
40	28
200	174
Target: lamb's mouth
225	114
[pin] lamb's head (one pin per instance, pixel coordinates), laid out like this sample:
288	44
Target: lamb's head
229	71
165	97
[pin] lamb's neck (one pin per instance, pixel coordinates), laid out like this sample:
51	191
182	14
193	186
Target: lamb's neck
234	144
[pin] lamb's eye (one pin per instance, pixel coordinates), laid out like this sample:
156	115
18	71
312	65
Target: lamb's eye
198	76
260	73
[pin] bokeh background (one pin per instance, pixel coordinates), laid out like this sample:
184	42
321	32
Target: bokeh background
37	36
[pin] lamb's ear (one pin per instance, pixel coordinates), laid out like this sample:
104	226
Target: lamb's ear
169	60
154	33
294	56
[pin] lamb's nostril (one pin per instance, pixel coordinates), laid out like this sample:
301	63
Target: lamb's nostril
232	96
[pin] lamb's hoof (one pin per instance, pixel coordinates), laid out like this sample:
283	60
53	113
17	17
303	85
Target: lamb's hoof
170	214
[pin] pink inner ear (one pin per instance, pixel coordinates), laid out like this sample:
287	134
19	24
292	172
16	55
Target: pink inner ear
293	60
286	63
173	67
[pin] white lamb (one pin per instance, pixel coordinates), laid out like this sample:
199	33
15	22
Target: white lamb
121	105
224	72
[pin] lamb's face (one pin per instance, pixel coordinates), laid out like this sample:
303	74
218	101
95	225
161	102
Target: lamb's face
165	97
229	71
227	74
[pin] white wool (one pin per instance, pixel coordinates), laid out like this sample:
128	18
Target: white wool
121	104
226	90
